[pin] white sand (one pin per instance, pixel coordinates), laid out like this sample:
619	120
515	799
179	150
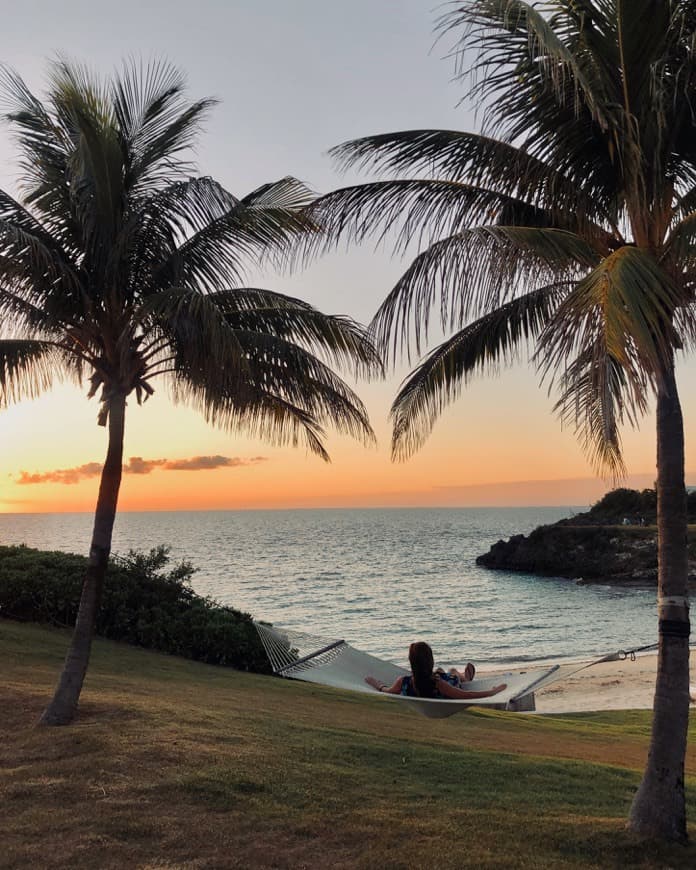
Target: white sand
627	685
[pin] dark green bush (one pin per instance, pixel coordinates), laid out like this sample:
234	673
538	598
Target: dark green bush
633	505
629	503
144	602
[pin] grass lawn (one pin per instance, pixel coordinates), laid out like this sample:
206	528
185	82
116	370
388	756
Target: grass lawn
174	764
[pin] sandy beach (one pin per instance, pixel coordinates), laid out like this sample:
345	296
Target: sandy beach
626	685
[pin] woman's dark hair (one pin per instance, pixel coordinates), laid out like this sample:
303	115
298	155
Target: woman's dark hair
420	656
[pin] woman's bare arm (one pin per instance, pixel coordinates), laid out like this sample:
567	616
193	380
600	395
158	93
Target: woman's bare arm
449	691
394	689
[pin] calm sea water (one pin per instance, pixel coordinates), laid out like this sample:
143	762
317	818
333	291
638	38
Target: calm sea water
378	578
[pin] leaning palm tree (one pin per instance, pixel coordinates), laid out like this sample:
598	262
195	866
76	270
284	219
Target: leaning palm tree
122	269
565	228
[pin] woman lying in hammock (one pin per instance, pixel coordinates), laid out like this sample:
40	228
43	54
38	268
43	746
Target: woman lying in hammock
425	682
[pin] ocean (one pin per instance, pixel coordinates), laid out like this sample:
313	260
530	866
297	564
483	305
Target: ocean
379	578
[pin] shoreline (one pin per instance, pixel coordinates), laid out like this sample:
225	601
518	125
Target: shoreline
621	685
618	685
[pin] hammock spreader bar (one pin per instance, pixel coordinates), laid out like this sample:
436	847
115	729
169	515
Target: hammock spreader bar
529	690
314	655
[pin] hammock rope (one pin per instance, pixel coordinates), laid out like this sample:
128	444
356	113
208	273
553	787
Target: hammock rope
295	650
337	664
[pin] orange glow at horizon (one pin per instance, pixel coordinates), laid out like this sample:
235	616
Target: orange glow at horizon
499	445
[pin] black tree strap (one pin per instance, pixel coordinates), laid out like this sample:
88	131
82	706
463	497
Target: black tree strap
674	627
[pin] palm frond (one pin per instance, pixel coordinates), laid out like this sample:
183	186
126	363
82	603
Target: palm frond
271	418
32	254
186	206
625	307
680	245
285	368
509	34
550	91
474	159
154	229
96	174
25	316
264	226
156	121
493	340
414	211
27	368
194	330
45	149
477	269
338	340
598	395
286	396
286	194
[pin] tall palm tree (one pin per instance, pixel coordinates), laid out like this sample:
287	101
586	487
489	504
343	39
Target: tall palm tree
565	227
122	268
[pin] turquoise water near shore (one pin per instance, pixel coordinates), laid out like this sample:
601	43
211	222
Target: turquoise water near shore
379	578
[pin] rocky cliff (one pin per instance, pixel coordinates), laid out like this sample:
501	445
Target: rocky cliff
615	542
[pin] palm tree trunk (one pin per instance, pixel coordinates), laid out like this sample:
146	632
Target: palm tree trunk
63	706
658	808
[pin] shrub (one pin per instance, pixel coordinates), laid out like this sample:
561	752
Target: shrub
634	505
144	602
631	503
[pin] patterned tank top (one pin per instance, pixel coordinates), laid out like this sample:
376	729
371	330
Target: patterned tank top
408	688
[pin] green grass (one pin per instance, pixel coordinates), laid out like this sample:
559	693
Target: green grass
174	764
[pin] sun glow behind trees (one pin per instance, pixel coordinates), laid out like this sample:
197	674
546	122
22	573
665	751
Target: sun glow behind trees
474	457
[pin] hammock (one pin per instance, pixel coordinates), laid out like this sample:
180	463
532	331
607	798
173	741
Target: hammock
337	664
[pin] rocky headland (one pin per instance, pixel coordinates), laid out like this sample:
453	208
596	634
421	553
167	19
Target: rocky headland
614	542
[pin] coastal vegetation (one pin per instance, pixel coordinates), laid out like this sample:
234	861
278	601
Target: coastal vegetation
145	602
124	270
565	228
628	507
175	763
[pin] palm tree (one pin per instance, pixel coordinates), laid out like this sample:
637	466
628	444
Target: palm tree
122	268
566	227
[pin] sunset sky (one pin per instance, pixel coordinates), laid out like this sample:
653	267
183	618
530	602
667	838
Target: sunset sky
293	79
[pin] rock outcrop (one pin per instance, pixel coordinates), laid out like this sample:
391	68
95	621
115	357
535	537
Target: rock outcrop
590	553
614	542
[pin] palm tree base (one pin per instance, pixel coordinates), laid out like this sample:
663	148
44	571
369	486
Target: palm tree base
658	811
62	708
55	714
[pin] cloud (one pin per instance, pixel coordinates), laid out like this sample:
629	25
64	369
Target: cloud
61	475
200	463
136	465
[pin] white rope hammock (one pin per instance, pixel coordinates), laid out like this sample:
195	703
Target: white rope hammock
337	664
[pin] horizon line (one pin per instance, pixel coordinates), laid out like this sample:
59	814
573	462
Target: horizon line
405	507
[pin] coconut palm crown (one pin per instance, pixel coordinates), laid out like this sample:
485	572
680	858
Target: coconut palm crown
564	229
121	269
